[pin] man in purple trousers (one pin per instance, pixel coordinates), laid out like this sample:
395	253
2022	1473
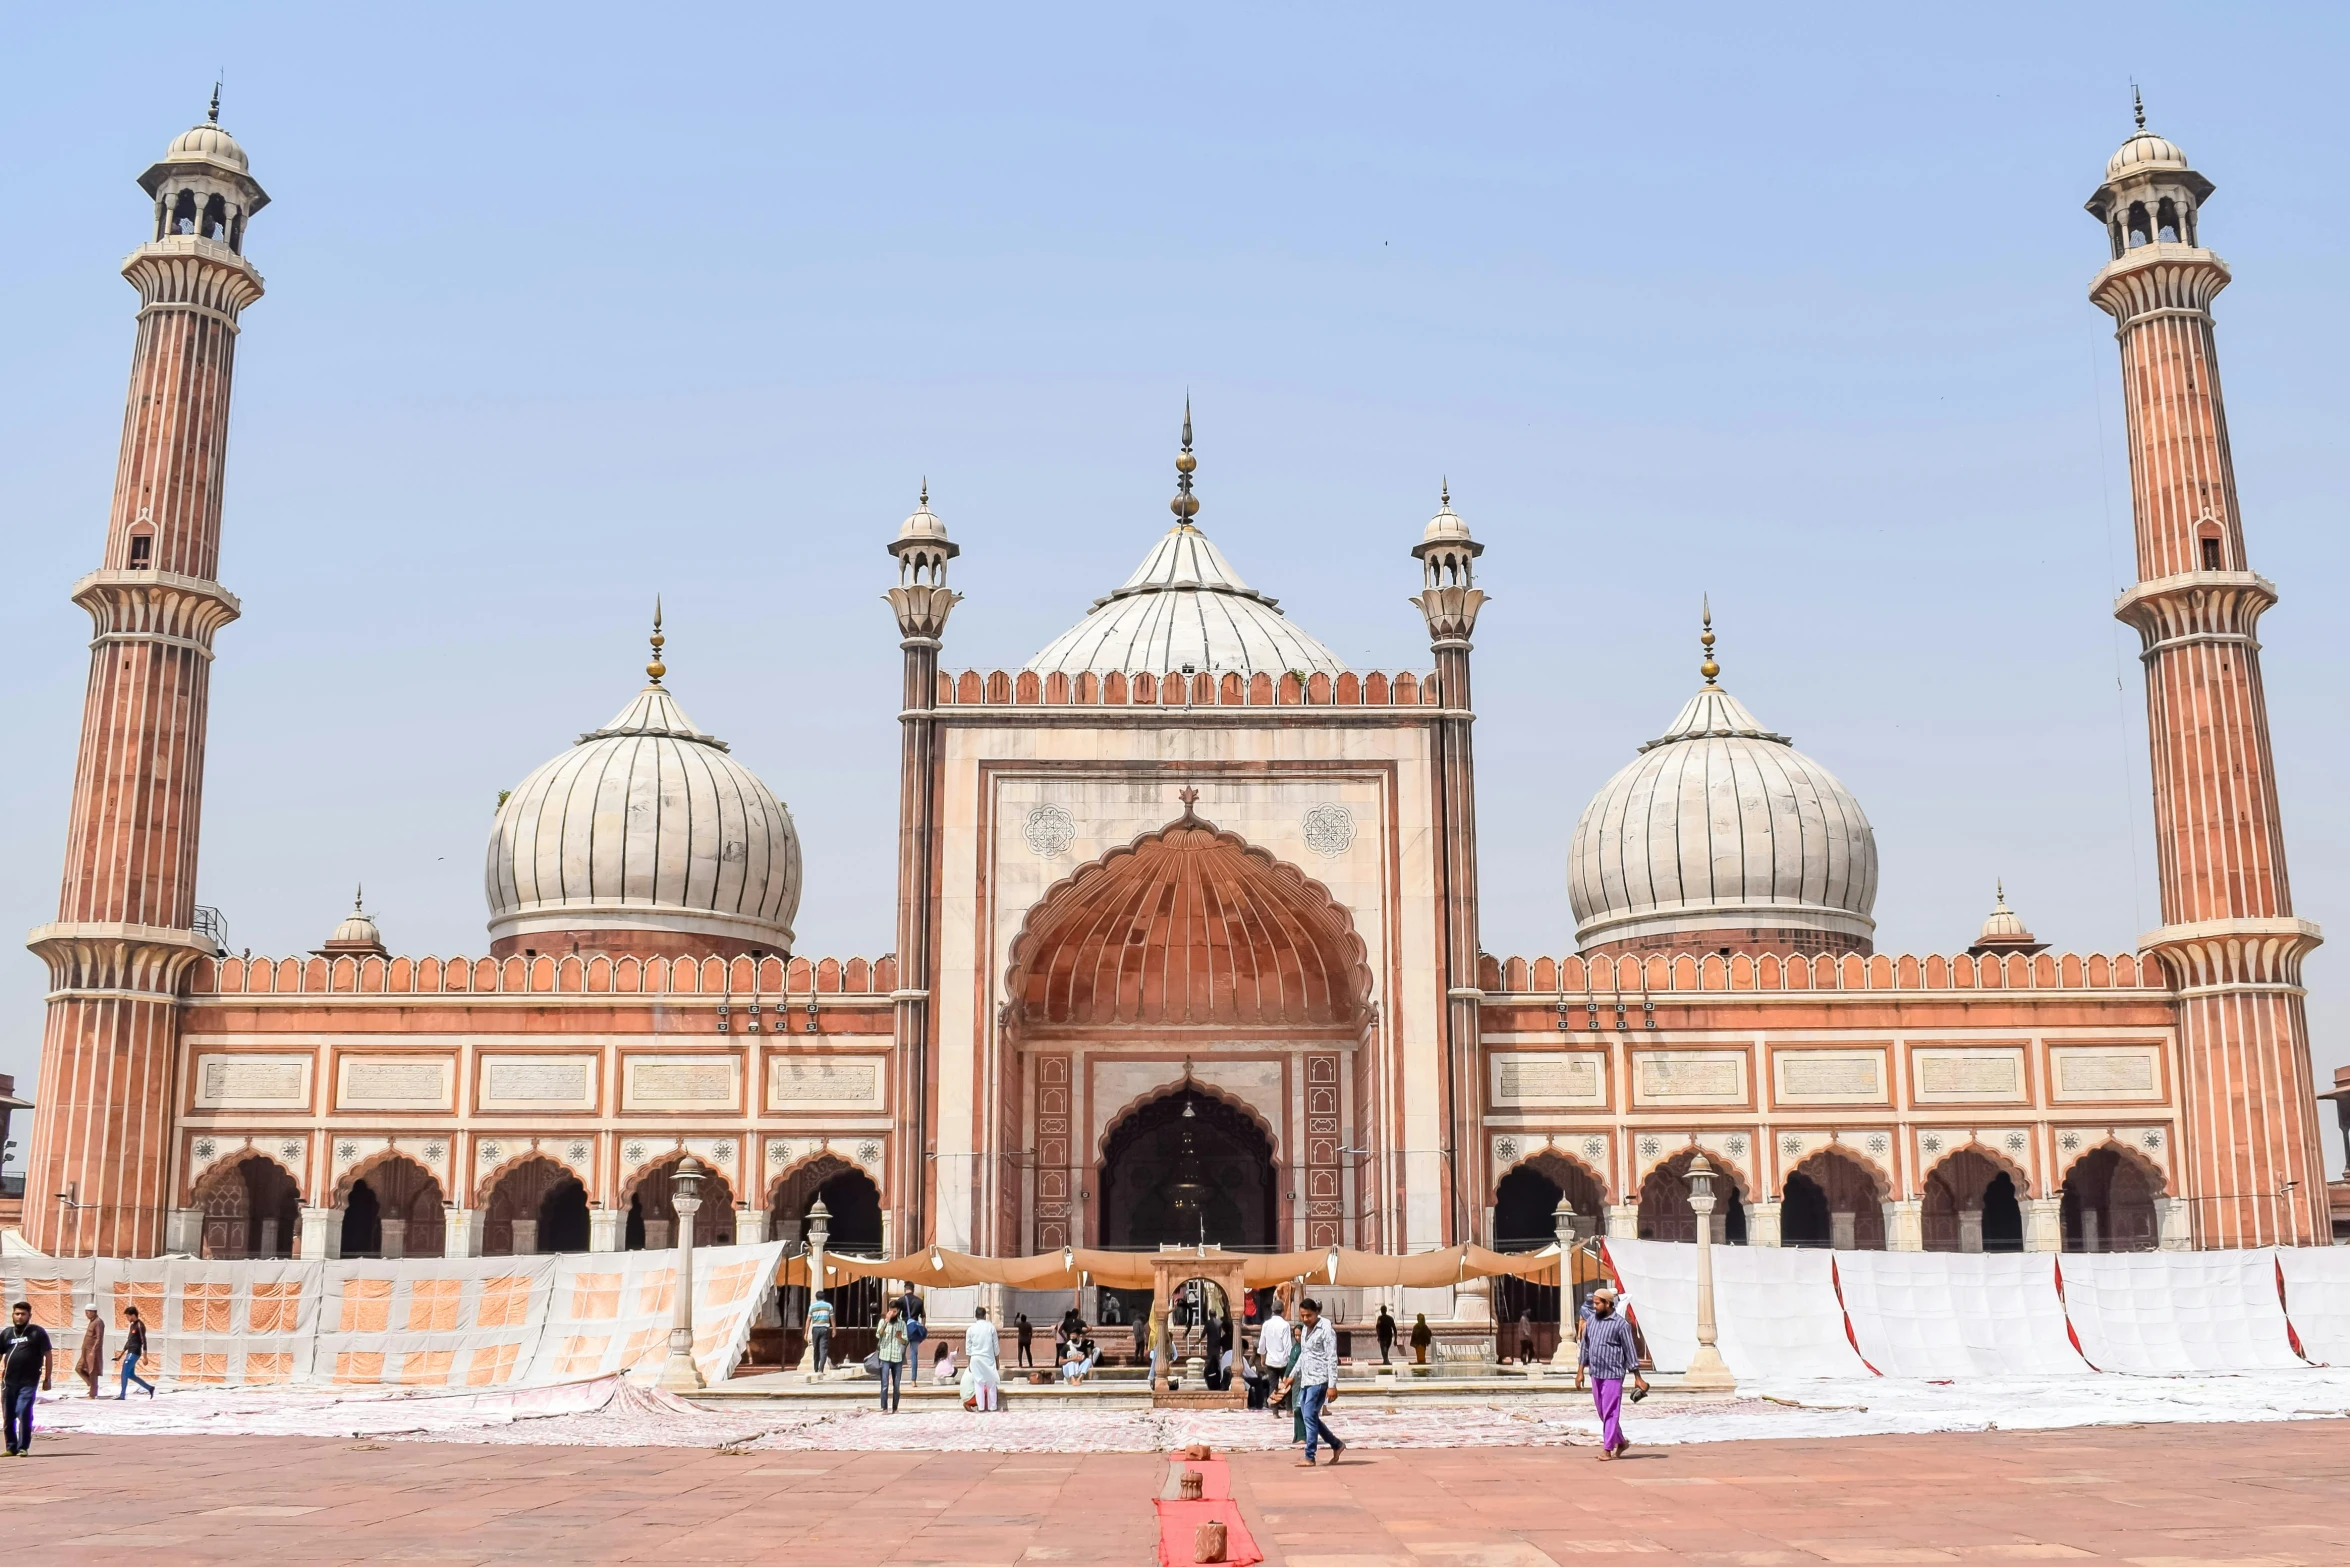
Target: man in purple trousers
1611	1357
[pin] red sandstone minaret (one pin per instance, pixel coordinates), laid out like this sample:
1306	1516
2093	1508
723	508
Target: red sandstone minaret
921	601
98	1174
1449	600
2254	1174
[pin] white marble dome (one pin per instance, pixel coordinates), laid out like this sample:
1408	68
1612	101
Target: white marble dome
2144	153
646	825
1720	823
1186	608
207	143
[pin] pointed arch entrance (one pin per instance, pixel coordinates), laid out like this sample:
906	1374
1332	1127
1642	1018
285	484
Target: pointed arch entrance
1188	1169
1187	959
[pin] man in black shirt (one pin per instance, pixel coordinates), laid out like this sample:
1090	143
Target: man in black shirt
24	1351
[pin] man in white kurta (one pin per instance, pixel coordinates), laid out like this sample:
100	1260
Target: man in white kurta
982	1385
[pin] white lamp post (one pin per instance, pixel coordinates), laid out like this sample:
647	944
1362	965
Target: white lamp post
1706	1371
819	1231
1562	1227
680	1374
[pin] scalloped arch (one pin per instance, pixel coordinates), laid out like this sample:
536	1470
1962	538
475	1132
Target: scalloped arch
1188	924
1117	1118
1879	1176
773	1192
710	1172
251	1150
1533	1157
2137	1156
1994	1156
376	1160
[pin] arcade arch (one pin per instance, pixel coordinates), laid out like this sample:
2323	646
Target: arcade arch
1665	1213
536	1206
1973	1202
2108	1201
1833	1199
852	1205
392	1207
1189	1168
652	1208
1528	1196
251	1208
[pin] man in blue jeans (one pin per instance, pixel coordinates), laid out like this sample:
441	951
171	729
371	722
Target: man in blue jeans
1316	1378
24	1365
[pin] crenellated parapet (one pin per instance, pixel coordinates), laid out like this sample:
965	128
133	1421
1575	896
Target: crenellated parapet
2196	607
1182	688
1575	976
155	606
596	974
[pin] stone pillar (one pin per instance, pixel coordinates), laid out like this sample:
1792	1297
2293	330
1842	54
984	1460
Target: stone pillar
526	1237
1706	1372
1970	1229
656	1235
679	1374
461	1234
183	1232
269	1237
2090	1239
395	1241
1762	1224
322	1233
2174	1224
2043	1224
750	1226
1623	1221
1905	1225
607	1229
1842	1228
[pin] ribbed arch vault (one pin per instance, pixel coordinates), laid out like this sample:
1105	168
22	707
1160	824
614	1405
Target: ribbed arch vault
1189	925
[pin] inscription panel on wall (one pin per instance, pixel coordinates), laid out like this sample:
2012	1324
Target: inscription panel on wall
1548	1078
395	1082
1689	1077
680	1083
1828	1077
2132	1072
823	1082
253	1082
1953	1076
538	1082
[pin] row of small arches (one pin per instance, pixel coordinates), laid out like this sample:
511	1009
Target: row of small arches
210	217
2167	222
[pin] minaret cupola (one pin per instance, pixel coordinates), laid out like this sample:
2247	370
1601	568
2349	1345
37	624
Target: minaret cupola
203	187
2150	195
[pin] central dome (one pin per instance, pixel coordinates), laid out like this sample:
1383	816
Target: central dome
1185	608
1720	834
645	837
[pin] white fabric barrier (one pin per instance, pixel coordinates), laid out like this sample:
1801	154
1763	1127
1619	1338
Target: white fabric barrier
1775	1312
2164	1313
1954	1314
460	1322
2317	1299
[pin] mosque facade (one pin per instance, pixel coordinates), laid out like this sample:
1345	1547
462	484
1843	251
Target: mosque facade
1187	940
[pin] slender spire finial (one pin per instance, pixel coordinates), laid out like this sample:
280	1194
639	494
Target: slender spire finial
2138	105
1709	668
925	501
1185	505
1444	495
1999	890
212	115
359	897
656	669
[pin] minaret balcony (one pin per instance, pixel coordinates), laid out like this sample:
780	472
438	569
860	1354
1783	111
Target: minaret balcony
155	606
2156	279
2196	606
2237	954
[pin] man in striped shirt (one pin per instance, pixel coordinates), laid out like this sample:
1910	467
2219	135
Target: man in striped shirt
1316	1378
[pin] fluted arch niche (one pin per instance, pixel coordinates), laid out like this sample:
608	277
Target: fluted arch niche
1188	926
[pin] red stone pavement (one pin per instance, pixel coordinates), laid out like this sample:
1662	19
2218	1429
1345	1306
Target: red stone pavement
2165	1496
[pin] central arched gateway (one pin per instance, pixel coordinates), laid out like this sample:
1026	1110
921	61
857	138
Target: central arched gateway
1188	1169
1190	970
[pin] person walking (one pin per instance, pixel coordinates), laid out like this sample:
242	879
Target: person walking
1027	1331
1525	1338
889	1341
982	1379
24	1367
1612	1357
90	1365
910	1318
134	1350
1316	1379
1385	1328
820	1329
1277	1343
1422	1337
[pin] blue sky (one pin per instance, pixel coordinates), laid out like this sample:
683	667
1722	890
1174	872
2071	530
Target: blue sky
567	305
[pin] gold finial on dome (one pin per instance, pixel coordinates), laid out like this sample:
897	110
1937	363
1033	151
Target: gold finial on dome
1185	505
1709	668
656	669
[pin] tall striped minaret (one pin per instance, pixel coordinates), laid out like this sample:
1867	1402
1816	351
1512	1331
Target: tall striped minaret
2254	1174
97	1178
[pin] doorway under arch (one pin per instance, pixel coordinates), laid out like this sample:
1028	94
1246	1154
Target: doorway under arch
537	1206
251	1209
1831	1199
2109	1203
652	1209
1665	1213
852	1205
1971	1204
403	1192
1188	1168
1528	1197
